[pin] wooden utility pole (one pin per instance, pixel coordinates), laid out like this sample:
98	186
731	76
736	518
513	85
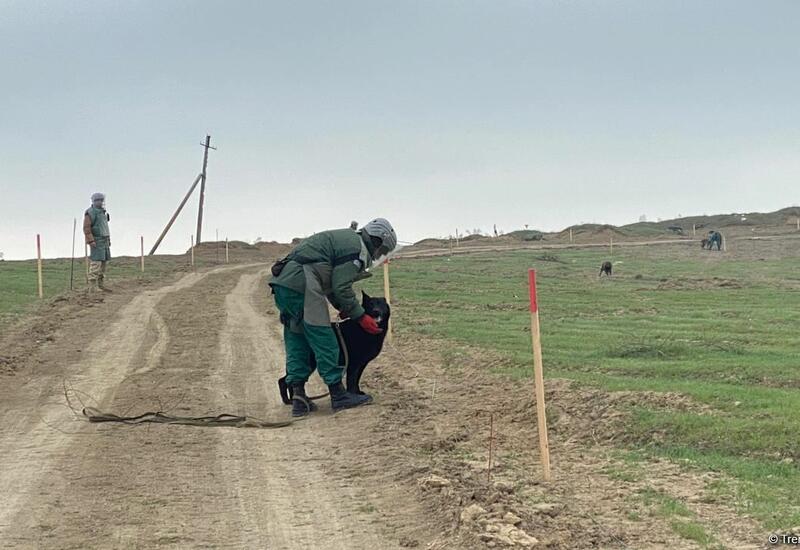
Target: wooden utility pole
175	215
201	177
207	146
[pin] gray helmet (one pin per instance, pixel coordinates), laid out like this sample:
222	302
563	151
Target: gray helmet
383	230
98	197
353	225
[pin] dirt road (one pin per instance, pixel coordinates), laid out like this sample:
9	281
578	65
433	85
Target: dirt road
204	344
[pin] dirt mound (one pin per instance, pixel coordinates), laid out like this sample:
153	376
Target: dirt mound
273	248
431	243
475	238
211	246
607	230
526	235
592	233
240	251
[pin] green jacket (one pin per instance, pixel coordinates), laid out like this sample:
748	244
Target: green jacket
95	229
326	265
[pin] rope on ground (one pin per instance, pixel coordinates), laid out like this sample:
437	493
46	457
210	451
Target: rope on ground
229	420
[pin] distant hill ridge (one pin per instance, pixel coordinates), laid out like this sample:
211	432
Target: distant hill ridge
737	222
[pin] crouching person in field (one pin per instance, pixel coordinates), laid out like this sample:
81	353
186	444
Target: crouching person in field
319	270
98	237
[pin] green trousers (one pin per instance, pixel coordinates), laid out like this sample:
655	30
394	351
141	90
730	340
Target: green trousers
301	339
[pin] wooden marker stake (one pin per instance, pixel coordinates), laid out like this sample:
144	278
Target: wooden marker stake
191	249
694	230
611	245
141	240
226	251
491	447
39	264
72	258
387	294
570	235
538	377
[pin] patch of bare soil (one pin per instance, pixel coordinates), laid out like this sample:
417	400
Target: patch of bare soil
698	284
47	324
431	436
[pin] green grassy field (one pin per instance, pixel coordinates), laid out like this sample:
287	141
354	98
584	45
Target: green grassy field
720	328
19	284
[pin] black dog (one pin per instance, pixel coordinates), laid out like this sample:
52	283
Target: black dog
356	346
605	268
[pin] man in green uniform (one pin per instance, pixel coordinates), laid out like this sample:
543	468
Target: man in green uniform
98	237
714	237
319	270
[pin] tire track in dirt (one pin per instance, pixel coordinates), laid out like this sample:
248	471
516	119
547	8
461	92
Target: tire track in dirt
287	498
44	447
160	334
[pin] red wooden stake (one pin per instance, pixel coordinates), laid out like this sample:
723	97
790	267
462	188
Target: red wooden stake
538	377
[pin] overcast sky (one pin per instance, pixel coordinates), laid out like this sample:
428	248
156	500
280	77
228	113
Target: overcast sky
437	115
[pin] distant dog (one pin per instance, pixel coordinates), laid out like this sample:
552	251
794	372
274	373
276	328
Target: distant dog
605	269
704	244
356	346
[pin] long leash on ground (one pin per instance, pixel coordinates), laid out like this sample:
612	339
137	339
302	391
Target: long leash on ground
230	420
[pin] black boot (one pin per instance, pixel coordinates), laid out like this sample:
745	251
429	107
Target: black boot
301	404
342	399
